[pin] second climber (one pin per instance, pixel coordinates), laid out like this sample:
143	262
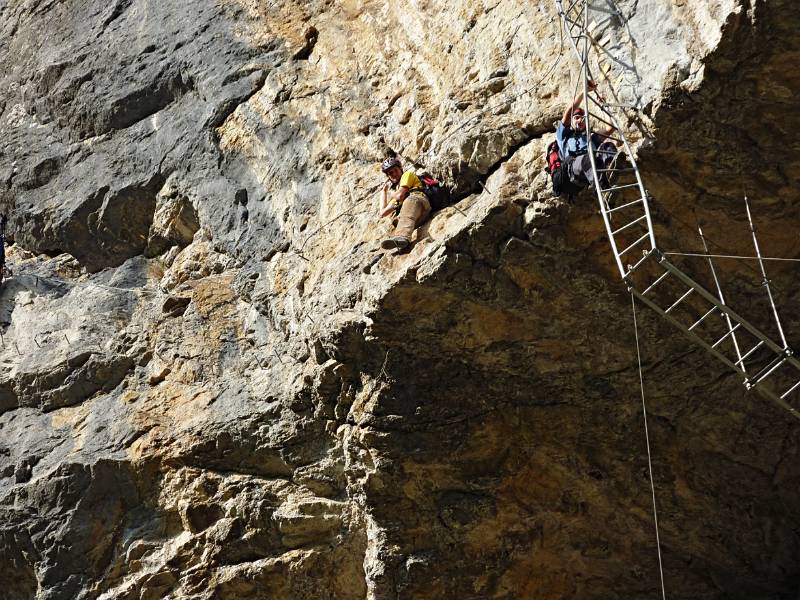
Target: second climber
573	145
402	195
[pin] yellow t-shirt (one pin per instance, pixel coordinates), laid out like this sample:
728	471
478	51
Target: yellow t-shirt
410	180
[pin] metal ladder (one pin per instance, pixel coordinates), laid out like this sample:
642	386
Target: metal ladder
764	365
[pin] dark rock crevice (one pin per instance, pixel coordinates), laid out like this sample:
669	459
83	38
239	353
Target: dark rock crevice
242	90
311	36
468	181
139	104
117	10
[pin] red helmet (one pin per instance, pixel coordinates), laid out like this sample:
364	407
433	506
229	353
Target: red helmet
389	163
578	111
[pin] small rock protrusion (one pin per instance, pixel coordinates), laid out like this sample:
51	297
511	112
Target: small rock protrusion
158	371
320	355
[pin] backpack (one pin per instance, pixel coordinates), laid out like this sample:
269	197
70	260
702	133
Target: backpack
557	169
438	195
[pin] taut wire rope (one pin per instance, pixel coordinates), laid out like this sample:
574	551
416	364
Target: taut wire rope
649	456
732	256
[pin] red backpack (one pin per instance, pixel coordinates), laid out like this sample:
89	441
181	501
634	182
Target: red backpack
552	158
562	183
438	195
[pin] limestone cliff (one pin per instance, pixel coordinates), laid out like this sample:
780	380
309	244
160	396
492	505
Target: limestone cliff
215	384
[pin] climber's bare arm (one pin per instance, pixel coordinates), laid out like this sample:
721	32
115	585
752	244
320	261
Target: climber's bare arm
607	132
387	211
566	119
400	194
392	201
384	199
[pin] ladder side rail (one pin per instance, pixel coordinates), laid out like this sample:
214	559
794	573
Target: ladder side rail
588	125
784	355
767	393
583	57
704	309
563	14
630	157
693	336
764	391
627	149
714	306
754	331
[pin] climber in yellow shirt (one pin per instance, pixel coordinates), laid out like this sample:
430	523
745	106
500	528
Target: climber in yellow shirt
408	199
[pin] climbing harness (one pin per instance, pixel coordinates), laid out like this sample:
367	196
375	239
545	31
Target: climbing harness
768	367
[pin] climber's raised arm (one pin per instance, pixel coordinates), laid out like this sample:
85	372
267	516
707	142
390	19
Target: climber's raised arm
566	119
605	133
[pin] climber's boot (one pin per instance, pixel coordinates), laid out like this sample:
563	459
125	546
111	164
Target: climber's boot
414	210
397	241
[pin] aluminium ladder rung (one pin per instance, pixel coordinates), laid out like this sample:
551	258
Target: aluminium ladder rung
769	369
631	224
722	339
631	269
588	42
749	352
595	25
602	120
634	244
727	310
679	300
619	187
611	137
703	318
656	282
790	390
626	205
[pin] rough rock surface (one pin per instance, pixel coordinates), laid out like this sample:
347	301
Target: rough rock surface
214	384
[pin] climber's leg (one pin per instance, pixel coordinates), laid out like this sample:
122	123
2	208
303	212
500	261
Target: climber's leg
413	212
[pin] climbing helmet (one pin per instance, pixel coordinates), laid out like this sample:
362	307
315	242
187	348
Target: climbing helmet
389	163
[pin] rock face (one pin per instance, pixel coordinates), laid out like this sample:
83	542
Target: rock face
215	385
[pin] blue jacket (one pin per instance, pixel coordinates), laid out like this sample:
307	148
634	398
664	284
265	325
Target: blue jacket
572	143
